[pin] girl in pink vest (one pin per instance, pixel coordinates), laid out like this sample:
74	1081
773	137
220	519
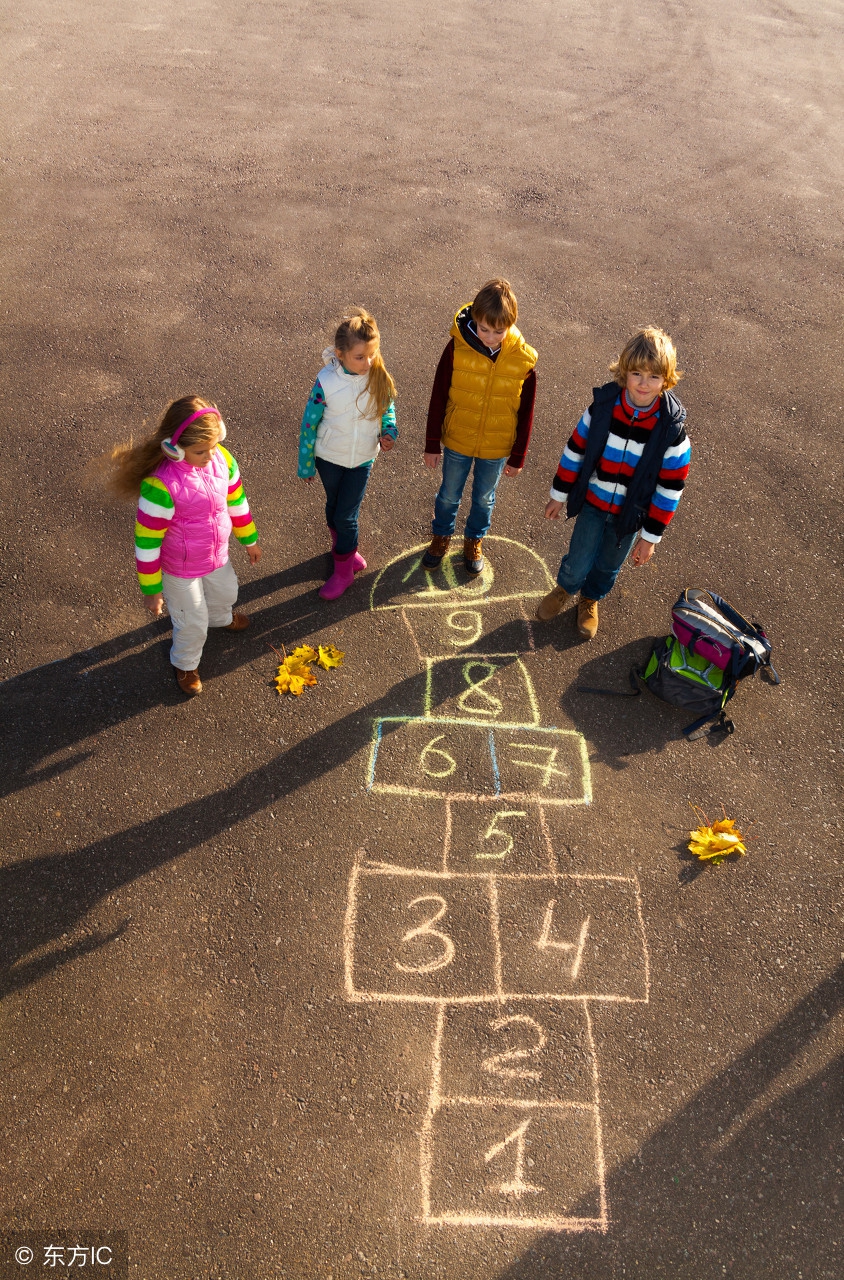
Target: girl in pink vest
191	500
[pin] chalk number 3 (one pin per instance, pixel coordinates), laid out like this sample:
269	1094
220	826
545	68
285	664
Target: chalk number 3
427	930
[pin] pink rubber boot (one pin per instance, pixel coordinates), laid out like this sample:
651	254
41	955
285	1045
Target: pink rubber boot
342	577
358	561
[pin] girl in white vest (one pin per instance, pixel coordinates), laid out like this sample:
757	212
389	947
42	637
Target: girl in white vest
349	416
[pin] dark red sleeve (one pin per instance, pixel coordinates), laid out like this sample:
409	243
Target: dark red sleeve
439	399
524	422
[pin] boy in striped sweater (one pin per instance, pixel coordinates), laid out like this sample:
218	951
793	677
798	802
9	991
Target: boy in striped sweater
621	474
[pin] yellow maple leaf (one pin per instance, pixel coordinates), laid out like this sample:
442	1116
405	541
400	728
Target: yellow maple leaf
329	656
716	841
302	655
294	676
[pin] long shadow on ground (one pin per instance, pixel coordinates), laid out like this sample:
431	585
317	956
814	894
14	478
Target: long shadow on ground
44	897
743	1181
48	710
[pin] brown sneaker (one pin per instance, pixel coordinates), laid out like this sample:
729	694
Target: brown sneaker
587	617
433	557
188	681
239	622
473	556
551	605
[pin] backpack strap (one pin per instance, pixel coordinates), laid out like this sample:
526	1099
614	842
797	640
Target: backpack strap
696	729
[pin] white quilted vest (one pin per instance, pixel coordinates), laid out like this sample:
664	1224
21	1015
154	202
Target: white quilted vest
345	436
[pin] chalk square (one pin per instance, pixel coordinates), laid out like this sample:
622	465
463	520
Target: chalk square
431	757
466	629
501	1164
550	765
572	936
497	835
537	1053
419	937
481	687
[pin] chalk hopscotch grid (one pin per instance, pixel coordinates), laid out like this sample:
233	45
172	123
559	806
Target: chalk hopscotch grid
470	604
551	1222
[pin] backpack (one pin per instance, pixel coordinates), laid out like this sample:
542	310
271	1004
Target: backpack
699	665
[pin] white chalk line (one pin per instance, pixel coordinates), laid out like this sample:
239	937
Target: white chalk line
525	1104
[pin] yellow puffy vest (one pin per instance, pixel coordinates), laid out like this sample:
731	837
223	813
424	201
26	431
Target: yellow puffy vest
483	401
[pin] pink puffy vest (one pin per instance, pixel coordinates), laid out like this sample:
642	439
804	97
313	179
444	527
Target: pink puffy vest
197	540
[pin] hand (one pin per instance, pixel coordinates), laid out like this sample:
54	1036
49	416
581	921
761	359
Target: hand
513	471
642	552
308	479
431	460
387	442
254	553
553	509
155	604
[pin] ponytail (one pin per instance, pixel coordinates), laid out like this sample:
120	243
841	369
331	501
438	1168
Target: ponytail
360	327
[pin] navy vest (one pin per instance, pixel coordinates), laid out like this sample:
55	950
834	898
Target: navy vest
643	482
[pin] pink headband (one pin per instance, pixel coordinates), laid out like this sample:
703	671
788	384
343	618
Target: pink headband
200	413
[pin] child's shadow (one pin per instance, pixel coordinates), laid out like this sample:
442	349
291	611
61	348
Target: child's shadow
617	723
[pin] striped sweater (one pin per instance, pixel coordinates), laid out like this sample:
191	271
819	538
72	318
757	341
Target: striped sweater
608	484
156	509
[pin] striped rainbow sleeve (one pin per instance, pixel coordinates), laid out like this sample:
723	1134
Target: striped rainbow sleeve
155	511
242	523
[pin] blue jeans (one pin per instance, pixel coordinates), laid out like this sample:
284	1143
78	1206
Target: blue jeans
594	556
456	468
344	490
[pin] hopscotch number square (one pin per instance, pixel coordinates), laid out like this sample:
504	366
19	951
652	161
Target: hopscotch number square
442	758
550	765
573	936
498	836
506	1165
537	1052
431	758
481	687
418	938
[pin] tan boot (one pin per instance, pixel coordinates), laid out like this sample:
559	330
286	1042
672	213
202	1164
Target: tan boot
189	682
239	622
473	556
587	617
551	605
432	558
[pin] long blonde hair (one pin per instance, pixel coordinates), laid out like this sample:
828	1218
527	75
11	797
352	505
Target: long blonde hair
130	463
360	327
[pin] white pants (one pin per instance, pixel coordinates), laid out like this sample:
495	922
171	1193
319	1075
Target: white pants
195	604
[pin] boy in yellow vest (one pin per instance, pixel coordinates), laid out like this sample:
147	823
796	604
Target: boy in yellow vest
481	413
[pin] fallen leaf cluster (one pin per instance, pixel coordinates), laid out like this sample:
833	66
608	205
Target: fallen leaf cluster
295	671
713	842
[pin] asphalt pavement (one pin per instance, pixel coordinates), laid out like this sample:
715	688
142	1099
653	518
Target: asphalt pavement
413	975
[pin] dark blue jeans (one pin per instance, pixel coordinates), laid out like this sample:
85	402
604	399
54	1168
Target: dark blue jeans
456	468
594	557
344	490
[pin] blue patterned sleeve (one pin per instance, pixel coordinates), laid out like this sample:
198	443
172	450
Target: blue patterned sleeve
311	419
388	422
